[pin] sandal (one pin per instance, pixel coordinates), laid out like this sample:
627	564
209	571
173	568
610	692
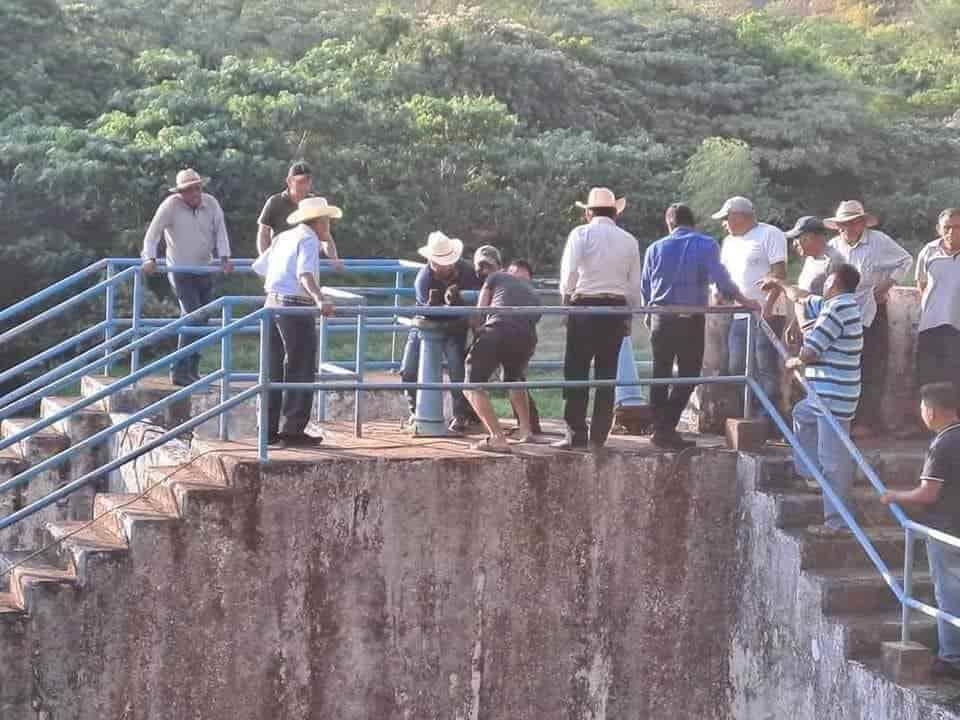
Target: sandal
486	446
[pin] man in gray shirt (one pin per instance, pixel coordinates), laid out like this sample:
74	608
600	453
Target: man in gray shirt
508	341
938	278
810	239
191	224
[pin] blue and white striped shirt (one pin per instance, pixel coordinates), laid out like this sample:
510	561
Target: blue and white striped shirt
836	337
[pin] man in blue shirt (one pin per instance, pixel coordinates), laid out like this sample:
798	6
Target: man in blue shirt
444	274
678	270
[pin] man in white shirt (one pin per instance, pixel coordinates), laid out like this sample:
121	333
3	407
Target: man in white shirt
751	252
881	263
601	267
191	224
938	278
290	280
810	238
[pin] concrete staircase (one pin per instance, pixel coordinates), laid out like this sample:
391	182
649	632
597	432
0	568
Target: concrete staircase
830	589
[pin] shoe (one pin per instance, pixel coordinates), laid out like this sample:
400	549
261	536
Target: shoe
943	669
570	442
181	381
458	425
273	438
671	441
300	440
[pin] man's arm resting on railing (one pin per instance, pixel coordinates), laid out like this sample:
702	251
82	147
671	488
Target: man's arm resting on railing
927	493
309	282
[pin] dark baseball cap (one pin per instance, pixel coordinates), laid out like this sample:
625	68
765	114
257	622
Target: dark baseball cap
299	168
807	224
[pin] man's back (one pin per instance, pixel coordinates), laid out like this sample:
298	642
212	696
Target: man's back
678	269
508	290
601	258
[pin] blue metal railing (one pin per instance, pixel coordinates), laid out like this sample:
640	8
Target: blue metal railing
123	337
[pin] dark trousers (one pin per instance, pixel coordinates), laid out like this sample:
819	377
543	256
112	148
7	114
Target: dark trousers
596	340
293	358
679	339
938	355
873	364
193	292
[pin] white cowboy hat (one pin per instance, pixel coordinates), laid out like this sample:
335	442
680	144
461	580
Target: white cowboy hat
441	249
188	178
601	197
312	208
847	211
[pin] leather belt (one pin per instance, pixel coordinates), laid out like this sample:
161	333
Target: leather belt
293	299
601	296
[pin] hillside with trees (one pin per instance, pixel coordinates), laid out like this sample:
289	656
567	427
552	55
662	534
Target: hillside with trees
487	121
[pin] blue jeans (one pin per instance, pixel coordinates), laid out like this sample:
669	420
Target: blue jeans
824	447
945	570
767	362
454	354
193	292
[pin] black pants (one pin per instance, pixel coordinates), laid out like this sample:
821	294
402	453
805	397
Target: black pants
293	358
596	340
679	339
873	364
193	292
938	355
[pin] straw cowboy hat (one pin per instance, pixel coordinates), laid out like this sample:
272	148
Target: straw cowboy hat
187	179
848	211
441	249
312	208
601	197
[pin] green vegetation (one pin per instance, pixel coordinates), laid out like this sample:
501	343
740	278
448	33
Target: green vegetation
487	121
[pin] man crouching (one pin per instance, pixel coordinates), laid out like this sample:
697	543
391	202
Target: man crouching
508	341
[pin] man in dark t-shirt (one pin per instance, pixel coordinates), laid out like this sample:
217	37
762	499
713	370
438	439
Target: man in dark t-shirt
273	217
939	494
508	341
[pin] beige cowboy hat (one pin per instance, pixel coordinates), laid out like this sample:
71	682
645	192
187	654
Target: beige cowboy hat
848	211
312	208
601	197
187	179
441	249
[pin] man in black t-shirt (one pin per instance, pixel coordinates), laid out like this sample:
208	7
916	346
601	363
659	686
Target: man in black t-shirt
273	217
939	493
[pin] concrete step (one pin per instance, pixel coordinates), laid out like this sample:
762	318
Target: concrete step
801	508
172	485
862	592
29	582
774	470
866	631
136	397
939	691
818	552
78	545
10	607
81	424
39	446
121	513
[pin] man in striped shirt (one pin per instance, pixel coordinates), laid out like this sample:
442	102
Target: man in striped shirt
830	359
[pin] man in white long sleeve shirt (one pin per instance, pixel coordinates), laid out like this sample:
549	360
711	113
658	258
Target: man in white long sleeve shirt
191	225
881	263
601	267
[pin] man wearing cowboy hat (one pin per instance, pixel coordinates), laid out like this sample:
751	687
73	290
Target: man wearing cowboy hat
752	251
273	217
881	262
290	280
444	270
811	241
191	223
600	268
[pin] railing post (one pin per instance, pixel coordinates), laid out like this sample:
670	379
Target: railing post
429	420
748	365
226	364
321	397
137	312
359	370
907	584
264	382
108	317
397	285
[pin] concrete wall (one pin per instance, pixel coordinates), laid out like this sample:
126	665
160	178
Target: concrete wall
546	587
711	405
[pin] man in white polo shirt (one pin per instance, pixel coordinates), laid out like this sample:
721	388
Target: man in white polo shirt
290	279
751	252
938	277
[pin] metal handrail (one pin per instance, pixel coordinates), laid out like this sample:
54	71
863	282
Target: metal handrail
51	290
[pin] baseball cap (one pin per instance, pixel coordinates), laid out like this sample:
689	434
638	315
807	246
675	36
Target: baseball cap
737	204
299	168
487	253
808	223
